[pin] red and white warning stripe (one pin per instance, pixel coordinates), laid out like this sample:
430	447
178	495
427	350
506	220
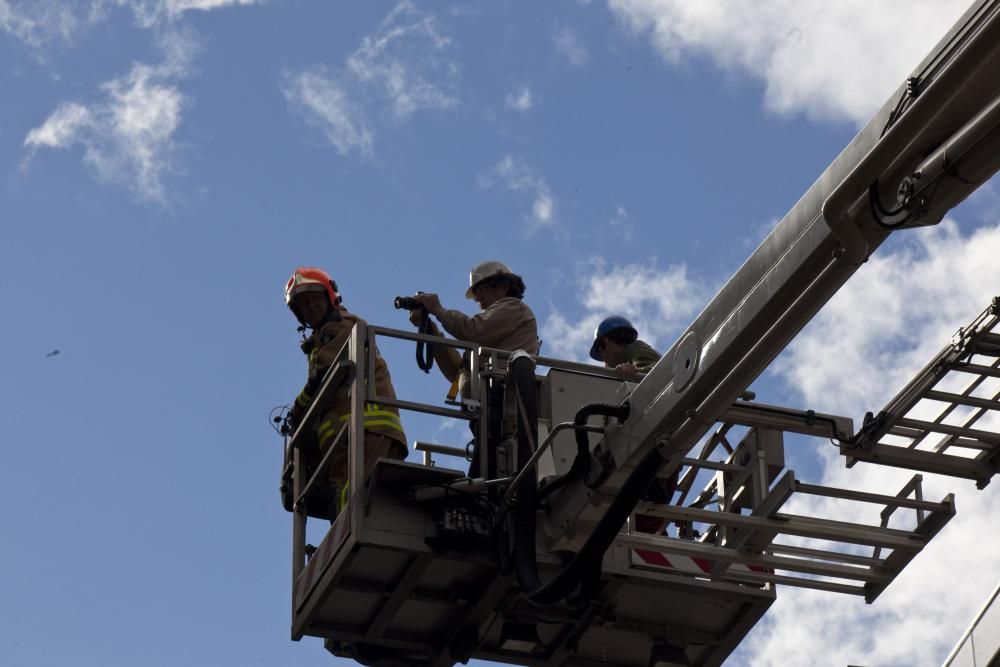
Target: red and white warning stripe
674	562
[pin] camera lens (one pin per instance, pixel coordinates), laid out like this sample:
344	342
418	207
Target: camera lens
405	303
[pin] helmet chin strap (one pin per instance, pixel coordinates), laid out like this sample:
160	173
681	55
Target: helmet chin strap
332	315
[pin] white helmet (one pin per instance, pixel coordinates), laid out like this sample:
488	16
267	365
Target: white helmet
484	270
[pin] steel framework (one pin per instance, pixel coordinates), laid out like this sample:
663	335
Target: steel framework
415	571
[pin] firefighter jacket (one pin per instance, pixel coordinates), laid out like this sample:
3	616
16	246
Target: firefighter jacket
642	356
507	324
322	348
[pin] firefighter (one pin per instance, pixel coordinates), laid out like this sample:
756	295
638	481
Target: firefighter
312	297
617	345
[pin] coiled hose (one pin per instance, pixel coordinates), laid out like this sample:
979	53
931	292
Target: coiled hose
425	350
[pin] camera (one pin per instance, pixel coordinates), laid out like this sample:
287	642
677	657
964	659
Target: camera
406	303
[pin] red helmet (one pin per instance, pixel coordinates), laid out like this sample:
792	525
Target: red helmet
310	279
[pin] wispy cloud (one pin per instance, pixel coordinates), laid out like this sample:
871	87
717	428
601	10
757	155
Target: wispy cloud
405	58
128	136
38	22
152	12
519	99
659	302
516	175
404	66
927	287
327	106
622	225
569	46
801	49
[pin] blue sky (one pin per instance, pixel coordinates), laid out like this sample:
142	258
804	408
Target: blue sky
165	165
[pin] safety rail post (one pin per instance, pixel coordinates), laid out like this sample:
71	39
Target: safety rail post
356	430
298	520
300	484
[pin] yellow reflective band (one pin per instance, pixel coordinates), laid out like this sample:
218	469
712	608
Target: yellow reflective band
386	419
343	497
325	429
385	422
303	399
381	413
372	413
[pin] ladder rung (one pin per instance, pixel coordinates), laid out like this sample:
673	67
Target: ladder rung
964	443
987	343
974	434
975	369
972	401
901	432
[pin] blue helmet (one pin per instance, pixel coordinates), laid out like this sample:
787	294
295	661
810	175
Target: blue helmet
607	325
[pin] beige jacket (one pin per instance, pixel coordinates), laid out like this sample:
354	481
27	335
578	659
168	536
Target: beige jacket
508	324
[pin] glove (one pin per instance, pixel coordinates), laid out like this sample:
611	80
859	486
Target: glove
294	418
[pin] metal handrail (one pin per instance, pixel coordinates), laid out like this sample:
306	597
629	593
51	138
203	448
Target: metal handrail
560	364
321	468
549	439
429	448
427	338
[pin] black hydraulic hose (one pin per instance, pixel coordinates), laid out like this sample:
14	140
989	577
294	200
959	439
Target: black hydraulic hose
580	579
425	350
582	461
521	378
583	563
581	464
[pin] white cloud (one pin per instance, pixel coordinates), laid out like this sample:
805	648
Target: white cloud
405	58
892	317
149	13
325	105
62	127
659	303
809	53
874	335
516	175
621	223
519	100
128	136
38	22
569	46
404	64
179	6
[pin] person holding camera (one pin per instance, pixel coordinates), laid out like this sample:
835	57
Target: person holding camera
311	295
504	321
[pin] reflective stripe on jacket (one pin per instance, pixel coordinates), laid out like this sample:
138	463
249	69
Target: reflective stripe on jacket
327	341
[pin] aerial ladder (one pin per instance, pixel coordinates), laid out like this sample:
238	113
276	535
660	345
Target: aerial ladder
534	558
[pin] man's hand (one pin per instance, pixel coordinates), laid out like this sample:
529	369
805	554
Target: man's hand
430	302
417	316
626	371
